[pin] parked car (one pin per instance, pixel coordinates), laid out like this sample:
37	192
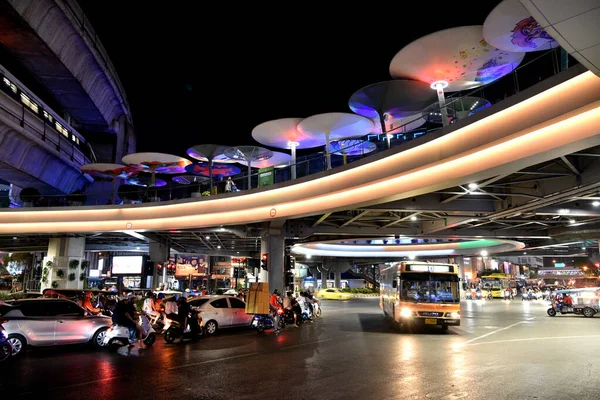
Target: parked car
50	322
221	312
334	294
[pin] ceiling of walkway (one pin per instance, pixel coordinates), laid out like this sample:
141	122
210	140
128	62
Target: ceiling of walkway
553	207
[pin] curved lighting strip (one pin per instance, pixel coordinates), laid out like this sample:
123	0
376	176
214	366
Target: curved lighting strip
328	249
477	151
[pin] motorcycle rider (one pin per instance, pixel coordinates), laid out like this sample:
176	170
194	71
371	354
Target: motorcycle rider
86	304
274	306
150	307
183	308
290	303
125	315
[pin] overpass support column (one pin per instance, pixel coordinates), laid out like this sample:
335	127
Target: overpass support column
159	253
337	278
65	254
273	245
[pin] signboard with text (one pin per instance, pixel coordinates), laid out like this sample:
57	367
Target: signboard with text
190	264
266	176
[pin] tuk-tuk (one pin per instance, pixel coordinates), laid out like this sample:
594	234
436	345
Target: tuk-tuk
585	301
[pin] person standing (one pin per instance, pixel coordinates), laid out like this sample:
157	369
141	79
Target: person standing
229	185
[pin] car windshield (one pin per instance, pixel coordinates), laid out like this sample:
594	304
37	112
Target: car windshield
493	284
429	288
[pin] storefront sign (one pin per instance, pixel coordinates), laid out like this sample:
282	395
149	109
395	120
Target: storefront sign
187	264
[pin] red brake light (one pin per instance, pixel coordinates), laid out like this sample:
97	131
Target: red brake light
280	311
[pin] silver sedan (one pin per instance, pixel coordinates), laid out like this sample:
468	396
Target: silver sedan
50	322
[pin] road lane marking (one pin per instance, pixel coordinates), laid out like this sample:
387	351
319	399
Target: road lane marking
533	339
212	361
305	344
497	330
77	384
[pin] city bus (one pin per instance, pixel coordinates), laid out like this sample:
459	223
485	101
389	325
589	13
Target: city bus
421	293
497	283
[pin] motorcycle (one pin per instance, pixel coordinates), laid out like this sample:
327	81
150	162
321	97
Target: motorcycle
316	308
118	335
262	322
305	315
193	330
6	348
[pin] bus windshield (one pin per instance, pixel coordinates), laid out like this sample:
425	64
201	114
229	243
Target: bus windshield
429	288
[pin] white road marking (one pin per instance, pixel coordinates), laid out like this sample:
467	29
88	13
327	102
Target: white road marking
497	330
212	361
79	384
533	339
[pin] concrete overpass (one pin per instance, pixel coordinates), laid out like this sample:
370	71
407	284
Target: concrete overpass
55	43
33	153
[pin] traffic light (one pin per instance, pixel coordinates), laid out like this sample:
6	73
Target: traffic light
264	261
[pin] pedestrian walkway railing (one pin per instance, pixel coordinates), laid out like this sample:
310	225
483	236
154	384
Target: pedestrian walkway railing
534	69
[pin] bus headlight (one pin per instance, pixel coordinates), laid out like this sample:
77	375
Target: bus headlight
455	315
406	313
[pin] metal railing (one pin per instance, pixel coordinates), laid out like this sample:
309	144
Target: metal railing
48	134
536	68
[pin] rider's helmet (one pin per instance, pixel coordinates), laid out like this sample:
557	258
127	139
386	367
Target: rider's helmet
161	295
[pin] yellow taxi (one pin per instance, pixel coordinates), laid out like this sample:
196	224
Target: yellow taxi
334	294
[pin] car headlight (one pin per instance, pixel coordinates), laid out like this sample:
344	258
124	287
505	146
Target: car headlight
406	313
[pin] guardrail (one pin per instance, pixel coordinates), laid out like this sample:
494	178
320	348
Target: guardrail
536	68
31	123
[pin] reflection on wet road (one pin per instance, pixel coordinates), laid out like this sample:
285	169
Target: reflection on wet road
502	350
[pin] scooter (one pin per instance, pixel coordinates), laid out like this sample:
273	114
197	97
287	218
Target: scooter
118	335
192	331
316	308
305	315
263	322
6	348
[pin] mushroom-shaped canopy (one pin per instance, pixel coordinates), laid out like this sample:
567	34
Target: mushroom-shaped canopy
459	56
511	27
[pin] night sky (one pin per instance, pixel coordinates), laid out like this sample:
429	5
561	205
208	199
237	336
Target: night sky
197	75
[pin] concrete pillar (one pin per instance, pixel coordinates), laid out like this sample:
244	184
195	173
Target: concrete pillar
126	141
66	255
273	245
159	253
263	274
337	278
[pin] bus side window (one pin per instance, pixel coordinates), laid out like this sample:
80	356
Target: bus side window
395	284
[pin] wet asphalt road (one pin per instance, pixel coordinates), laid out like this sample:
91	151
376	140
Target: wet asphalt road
502	350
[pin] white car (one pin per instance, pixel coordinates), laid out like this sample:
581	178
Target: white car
221	312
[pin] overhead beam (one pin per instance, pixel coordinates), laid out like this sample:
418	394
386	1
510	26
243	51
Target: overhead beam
570	165
355	218
399	220
323	218
443	224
